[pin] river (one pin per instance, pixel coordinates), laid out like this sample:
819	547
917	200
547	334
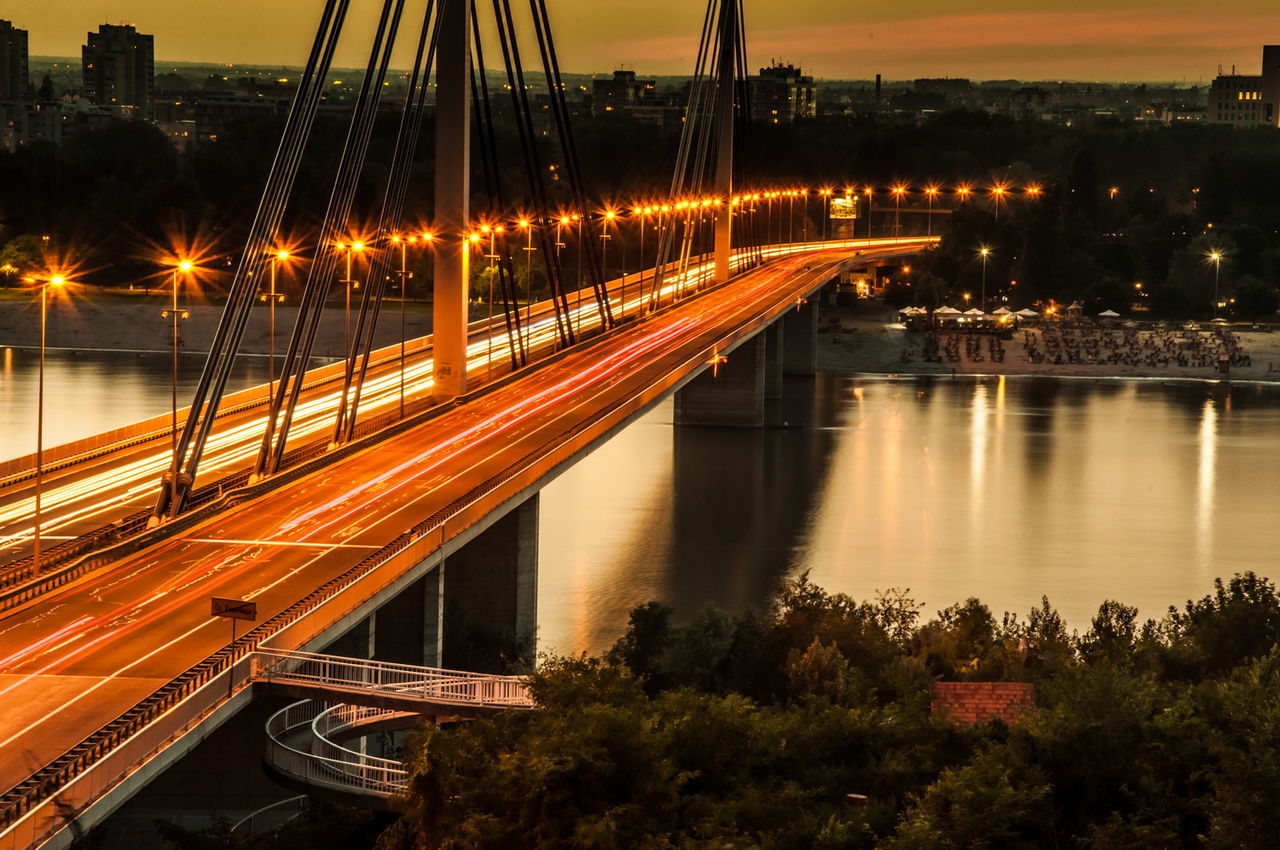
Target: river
1007	489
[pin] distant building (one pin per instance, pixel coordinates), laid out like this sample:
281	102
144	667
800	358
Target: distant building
782	95
955	91
14	82
119	68
1248	100
621	93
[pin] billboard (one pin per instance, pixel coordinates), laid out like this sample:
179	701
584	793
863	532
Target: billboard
844	208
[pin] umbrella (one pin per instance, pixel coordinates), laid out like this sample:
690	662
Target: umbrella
1027	313
947	311
1218	321
974	311
1001	311
1109	314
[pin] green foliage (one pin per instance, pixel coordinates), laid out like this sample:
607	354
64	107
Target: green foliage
751	731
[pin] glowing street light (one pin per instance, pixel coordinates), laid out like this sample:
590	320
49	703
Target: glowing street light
898	191
56	281
984	252
272	297
931	192
1215	257
350	283
174	315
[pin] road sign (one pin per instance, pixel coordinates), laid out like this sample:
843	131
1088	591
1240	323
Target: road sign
844	208
234	609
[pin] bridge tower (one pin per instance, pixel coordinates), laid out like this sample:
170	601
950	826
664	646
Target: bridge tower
726	78
452	193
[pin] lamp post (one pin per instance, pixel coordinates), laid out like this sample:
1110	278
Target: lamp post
931	192
825	194
350	283
984	251
404	245
609	215
898	192
174	315
869	198
272	297
997	195
54	280
1215	257
527	226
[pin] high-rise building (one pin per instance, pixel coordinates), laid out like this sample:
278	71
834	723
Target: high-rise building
1248	100
119	68
14	82
781	95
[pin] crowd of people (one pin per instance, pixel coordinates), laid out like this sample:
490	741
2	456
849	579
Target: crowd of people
1158	347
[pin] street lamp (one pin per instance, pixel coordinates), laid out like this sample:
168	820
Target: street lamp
174	315
931	192
404	277
349	249
826	209
56	280
997	195
1215	257
984	251
869	198
609	215
272	297
898	192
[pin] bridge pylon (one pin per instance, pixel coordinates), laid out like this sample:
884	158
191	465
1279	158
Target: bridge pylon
450	294
725	98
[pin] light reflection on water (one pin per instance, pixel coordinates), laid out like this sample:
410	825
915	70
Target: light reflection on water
1004	489
86	392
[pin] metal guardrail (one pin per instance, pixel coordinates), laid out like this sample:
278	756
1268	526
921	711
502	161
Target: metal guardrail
105	757
428	684
269	819
299	745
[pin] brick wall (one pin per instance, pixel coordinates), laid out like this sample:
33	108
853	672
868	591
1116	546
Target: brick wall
974	702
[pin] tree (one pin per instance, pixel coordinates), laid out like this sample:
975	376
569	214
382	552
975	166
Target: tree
1256	299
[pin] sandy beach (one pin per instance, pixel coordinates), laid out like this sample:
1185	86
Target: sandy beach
869	340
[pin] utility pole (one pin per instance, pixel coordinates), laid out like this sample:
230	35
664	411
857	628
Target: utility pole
453	188
724	156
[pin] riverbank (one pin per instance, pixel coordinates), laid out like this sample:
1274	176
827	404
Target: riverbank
868	340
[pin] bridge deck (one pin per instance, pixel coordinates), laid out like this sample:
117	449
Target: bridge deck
78	657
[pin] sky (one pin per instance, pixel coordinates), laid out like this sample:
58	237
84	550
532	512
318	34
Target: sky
981	39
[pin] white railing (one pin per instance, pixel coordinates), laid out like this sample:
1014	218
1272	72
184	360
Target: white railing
270	818
427	684
297	749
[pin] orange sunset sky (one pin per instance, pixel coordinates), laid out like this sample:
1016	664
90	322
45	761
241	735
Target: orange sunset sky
985	39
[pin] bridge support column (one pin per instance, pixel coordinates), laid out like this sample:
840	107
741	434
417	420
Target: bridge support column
773	339
406	629
800	339
732	394
491	595
453	190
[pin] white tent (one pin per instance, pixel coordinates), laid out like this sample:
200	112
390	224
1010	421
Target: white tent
974	311
1001	311
946	311
1027	313
1109	314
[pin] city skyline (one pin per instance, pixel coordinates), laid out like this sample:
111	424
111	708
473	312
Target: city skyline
1132	40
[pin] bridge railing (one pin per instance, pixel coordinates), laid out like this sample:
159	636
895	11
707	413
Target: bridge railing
299	745
428	684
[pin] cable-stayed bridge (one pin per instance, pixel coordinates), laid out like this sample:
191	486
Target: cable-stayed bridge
387	505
